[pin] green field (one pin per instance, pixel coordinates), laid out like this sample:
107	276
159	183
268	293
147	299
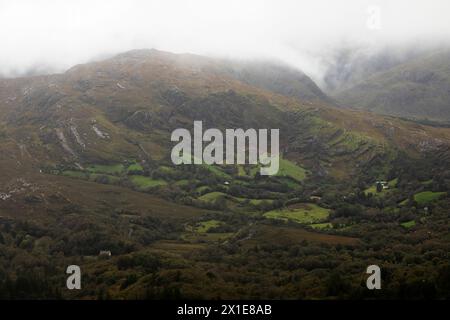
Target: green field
201	189
212	196
305	213
217	171
427	182
145	182
135	167
393	183
166	169
286	169
259	201
408	224
322	226
183	182
290	169
108	169
205	226
427	196
253	201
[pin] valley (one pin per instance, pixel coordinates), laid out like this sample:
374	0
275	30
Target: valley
85	167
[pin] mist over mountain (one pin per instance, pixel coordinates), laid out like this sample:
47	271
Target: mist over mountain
57	35
93	91
410	83
87	179
350	64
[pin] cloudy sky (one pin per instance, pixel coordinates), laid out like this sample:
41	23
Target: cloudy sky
55	35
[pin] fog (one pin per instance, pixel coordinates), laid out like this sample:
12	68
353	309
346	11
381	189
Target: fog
42	36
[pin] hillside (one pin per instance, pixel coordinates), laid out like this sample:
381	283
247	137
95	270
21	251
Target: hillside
85	164
349	65
105	111
278	78
416	88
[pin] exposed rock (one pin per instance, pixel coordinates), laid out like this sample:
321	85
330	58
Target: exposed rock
74	131
99	133
63	141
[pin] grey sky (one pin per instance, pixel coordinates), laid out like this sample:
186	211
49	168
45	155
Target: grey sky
57	34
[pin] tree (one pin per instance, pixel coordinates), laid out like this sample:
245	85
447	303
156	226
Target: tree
379	187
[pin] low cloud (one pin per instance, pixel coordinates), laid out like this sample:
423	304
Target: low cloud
38	36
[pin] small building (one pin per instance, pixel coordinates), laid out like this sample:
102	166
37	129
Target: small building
105	253
384	184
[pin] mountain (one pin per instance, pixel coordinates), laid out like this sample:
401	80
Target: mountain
85	164
349	65
415	88
278	78
149	91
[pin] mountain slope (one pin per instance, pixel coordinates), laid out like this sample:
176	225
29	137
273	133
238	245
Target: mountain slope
86	168
280	79
129	105
417	89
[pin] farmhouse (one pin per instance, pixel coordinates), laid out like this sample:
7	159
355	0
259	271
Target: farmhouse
383	183
105	253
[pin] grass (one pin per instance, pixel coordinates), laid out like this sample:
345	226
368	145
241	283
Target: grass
290	169
108	169
353	140
305	213
393	183
166	170
135	167
217	171
145	182
109	179
287	169
372	190
74	174
253	201
201	189
183	182
427	182
408	224
211	196
258	201
427	196
205	226
321	226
